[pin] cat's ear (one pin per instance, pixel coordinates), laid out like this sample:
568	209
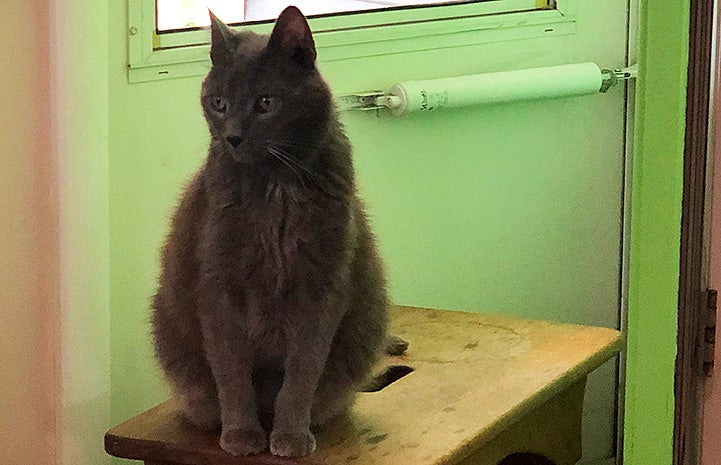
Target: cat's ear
222	40
291	35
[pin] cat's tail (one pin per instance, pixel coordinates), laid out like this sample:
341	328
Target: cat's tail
394	346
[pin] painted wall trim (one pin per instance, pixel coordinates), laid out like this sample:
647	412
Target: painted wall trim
79	107
655	232
154	56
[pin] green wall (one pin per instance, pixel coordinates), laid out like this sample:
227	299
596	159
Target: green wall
509	208
655	232
512	209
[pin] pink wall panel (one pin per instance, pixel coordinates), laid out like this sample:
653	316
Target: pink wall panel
29	307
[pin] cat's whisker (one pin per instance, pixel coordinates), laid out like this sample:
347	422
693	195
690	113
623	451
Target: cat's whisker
283	159
297	162
288	156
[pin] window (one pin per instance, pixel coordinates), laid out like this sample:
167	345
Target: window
185	14
166	37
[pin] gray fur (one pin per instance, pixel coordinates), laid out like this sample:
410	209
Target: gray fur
271	305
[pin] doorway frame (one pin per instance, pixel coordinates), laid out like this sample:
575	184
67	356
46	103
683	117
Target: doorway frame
693	275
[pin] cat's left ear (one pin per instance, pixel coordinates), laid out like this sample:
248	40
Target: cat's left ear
291	35
222	40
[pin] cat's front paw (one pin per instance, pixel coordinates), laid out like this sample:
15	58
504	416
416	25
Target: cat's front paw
292	444
237	441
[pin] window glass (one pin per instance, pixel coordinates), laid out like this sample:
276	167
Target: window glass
185	14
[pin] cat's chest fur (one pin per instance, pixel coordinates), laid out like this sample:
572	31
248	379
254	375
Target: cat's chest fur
276	243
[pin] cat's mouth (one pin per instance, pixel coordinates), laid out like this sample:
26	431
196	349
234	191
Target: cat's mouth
243	152
240	157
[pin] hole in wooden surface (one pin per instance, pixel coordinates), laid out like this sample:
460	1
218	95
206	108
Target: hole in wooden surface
389	376
526	459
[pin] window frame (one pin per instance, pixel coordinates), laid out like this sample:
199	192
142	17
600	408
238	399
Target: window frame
156	56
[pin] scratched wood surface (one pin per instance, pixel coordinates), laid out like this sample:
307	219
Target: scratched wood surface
474	377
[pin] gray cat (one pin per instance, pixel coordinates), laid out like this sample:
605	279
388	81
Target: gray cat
271	308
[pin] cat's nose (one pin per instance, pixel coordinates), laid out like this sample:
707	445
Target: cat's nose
234	140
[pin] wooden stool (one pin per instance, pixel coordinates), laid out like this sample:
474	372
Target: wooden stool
482	388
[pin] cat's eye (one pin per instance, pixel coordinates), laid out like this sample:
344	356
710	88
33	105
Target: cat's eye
265	104
219	104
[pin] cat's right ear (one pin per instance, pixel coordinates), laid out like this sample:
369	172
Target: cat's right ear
222	40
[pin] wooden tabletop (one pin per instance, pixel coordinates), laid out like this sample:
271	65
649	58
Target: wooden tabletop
473	376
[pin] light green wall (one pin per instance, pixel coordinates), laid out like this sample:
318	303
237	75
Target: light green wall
655	232
79	110
511	208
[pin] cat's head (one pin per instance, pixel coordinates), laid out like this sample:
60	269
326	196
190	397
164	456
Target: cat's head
264	93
